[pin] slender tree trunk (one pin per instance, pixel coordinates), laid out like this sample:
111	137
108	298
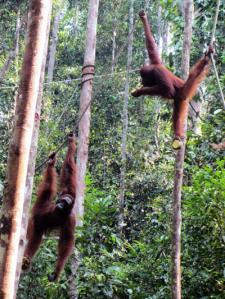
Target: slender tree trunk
125	121
84	125
113	46
157	129
165	36
76	17
85	99
32	160
15	188
159	28
193	106
157	104
194	113
12	55
188	16
75	263
146	8
179	166
52	50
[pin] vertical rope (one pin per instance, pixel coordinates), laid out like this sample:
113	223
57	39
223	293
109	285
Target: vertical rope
215	21
211	56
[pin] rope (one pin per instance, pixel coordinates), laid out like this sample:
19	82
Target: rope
196	112
211	56
57	120
215	22
86	66
82	114
218	81
87	73
65	139
76	79
79	119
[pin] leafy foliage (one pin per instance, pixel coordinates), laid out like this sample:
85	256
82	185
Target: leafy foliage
136	264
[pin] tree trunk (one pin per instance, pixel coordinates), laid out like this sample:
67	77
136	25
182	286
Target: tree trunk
113	46
146	8
85	99
159	28
195	109
125	121
52	50
84	125
165	36
157	128
12	55
75	263
76	18
32	160
178	180
15	188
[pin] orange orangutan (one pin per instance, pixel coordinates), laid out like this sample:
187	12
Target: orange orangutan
48	215
158	80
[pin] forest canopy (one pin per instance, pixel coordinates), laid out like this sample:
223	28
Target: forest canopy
123	250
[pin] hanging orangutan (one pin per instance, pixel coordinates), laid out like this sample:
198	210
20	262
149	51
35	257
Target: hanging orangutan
48	215
157	80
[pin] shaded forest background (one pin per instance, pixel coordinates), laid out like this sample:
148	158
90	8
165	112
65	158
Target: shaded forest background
136	264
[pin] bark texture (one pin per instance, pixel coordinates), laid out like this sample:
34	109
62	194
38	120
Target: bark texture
85	99
179	166
32	160
84	125
15	188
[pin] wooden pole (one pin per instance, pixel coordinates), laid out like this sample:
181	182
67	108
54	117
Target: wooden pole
14	191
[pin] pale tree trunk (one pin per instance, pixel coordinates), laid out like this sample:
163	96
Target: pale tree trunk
84	125
165	34
115	56
146	8
54	40
157	104
195	109
141	103
12	55
85	99
179	166
15	188
125	121
157	128
113	46
159	28
76	18
32	160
